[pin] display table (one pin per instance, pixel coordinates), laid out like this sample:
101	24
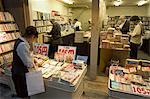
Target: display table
117	95
107	54
131	81
145	48
57	90
68	38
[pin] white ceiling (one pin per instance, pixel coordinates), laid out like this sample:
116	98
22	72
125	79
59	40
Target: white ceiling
108	2
125	2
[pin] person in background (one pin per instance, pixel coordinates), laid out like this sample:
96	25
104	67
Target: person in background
56	37
22	60
77	25
90	24
136	36
55	32
123	25
69	24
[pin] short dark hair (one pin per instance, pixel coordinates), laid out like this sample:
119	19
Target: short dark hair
134	18
30	30
75	19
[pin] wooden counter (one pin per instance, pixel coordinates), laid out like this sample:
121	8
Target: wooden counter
107	54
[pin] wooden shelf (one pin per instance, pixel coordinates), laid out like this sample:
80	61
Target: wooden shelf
8	41
119	49
43	26
5	22
6	52
9	31
42	20
42	32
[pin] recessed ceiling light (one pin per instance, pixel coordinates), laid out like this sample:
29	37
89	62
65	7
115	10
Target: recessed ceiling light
118	2
142	2
68	1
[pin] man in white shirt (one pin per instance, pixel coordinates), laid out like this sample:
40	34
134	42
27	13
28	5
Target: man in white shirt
77	25
136	36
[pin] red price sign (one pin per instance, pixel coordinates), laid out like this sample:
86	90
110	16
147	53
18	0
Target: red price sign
41	48
140	90
67	51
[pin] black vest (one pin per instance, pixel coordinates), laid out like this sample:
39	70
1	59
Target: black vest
125	28
17	66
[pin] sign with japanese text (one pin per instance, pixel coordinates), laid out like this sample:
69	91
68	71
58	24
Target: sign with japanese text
41	48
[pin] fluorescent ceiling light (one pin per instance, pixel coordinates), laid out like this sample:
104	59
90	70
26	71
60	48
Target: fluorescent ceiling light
118	2
68	1
142	2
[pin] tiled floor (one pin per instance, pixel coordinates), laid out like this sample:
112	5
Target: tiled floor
96	89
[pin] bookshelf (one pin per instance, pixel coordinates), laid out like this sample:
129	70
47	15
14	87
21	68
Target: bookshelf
42	22
112	21
9	32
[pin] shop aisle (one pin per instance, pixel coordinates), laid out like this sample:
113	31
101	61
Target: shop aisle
96	89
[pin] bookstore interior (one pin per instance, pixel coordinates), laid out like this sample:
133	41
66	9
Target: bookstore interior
76	40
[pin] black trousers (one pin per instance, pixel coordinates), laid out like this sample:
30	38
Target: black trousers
20	85
134	50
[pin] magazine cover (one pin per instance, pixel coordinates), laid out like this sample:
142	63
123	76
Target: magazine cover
69	53
59	57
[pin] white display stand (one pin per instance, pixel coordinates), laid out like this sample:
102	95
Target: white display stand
55	90
123	94
120	94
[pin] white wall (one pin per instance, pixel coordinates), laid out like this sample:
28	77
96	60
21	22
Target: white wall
102	11
148	11
83	15
127	11
47	6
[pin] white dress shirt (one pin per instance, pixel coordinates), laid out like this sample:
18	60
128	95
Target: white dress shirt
78	24
23	51
136	34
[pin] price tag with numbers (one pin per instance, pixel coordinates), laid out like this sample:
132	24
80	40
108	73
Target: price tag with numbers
140	90
41	48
